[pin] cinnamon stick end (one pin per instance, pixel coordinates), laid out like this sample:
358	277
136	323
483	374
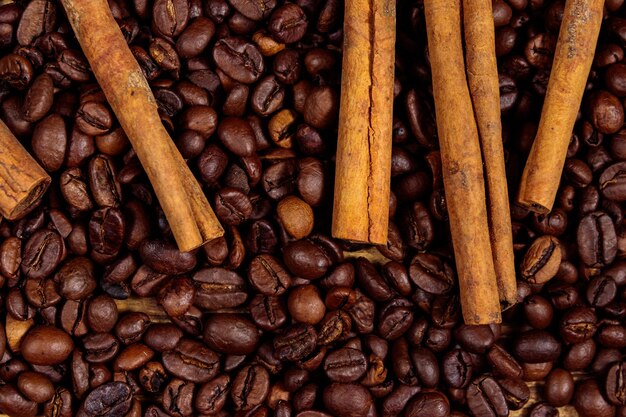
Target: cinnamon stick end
30	200
359	236
534	206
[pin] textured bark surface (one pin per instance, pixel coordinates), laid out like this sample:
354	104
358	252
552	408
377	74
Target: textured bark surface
462	164
188	212
482	73
362	181
572	61
22	180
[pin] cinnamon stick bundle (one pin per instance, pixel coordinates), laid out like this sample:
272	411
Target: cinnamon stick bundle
482	74
22	180
362	179
572	61
462	164
188	212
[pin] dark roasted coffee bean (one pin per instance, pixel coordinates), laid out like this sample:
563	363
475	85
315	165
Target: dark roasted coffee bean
486	398
49	142
288	23
559	388
503	363
239	59
212	396
542	260
231	333
100	347
250	387
612	183
42	253
192	361
535	346
345	365
13	403
46	345
344	400
596	238
110	399
165	258
578	324
589	400
39	98
424	404
295	343
170	16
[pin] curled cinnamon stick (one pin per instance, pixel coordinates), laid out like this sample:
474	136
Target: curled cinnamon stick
461	164
22	180
482	74
189	214
362	179
572	61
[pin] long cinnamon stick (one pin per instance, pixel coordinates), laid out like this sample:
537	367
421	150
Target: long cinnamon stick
572	61
461	164
482	74
189	214
22	180
362	179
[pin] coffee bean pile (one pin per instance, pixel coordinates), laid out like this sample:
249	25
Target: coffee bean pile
277	318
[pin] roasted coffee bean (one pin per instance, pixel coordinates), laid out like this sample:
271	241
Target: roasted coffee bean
589	400
231	333
596	238
191	361
306	305
250	387
345	400
13	403
578	324
113	398
559	388
535	346
428	404
212	396
295	343
485	397
75	279
542	260
39	98
310	258
100	347
131	327
46	345
239	59
170	16
49	142
288	23
503	363
178	398
431	273
217	288
345	365
164	257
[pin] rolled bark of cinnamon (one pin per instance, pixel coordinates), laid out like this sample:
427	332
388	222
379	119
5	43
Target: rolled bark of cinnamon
572	61
363	168
482	74
188	212
22	180
462	164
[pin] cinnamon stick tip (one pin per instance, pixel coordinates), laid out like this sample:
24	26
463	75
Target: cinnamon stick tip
23	207
373	239
534	206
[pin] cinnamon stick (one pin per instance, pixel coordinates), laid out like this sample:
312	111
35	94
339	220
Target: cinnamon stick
188	212
572	61
22	180
362	179
482	74
461	164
